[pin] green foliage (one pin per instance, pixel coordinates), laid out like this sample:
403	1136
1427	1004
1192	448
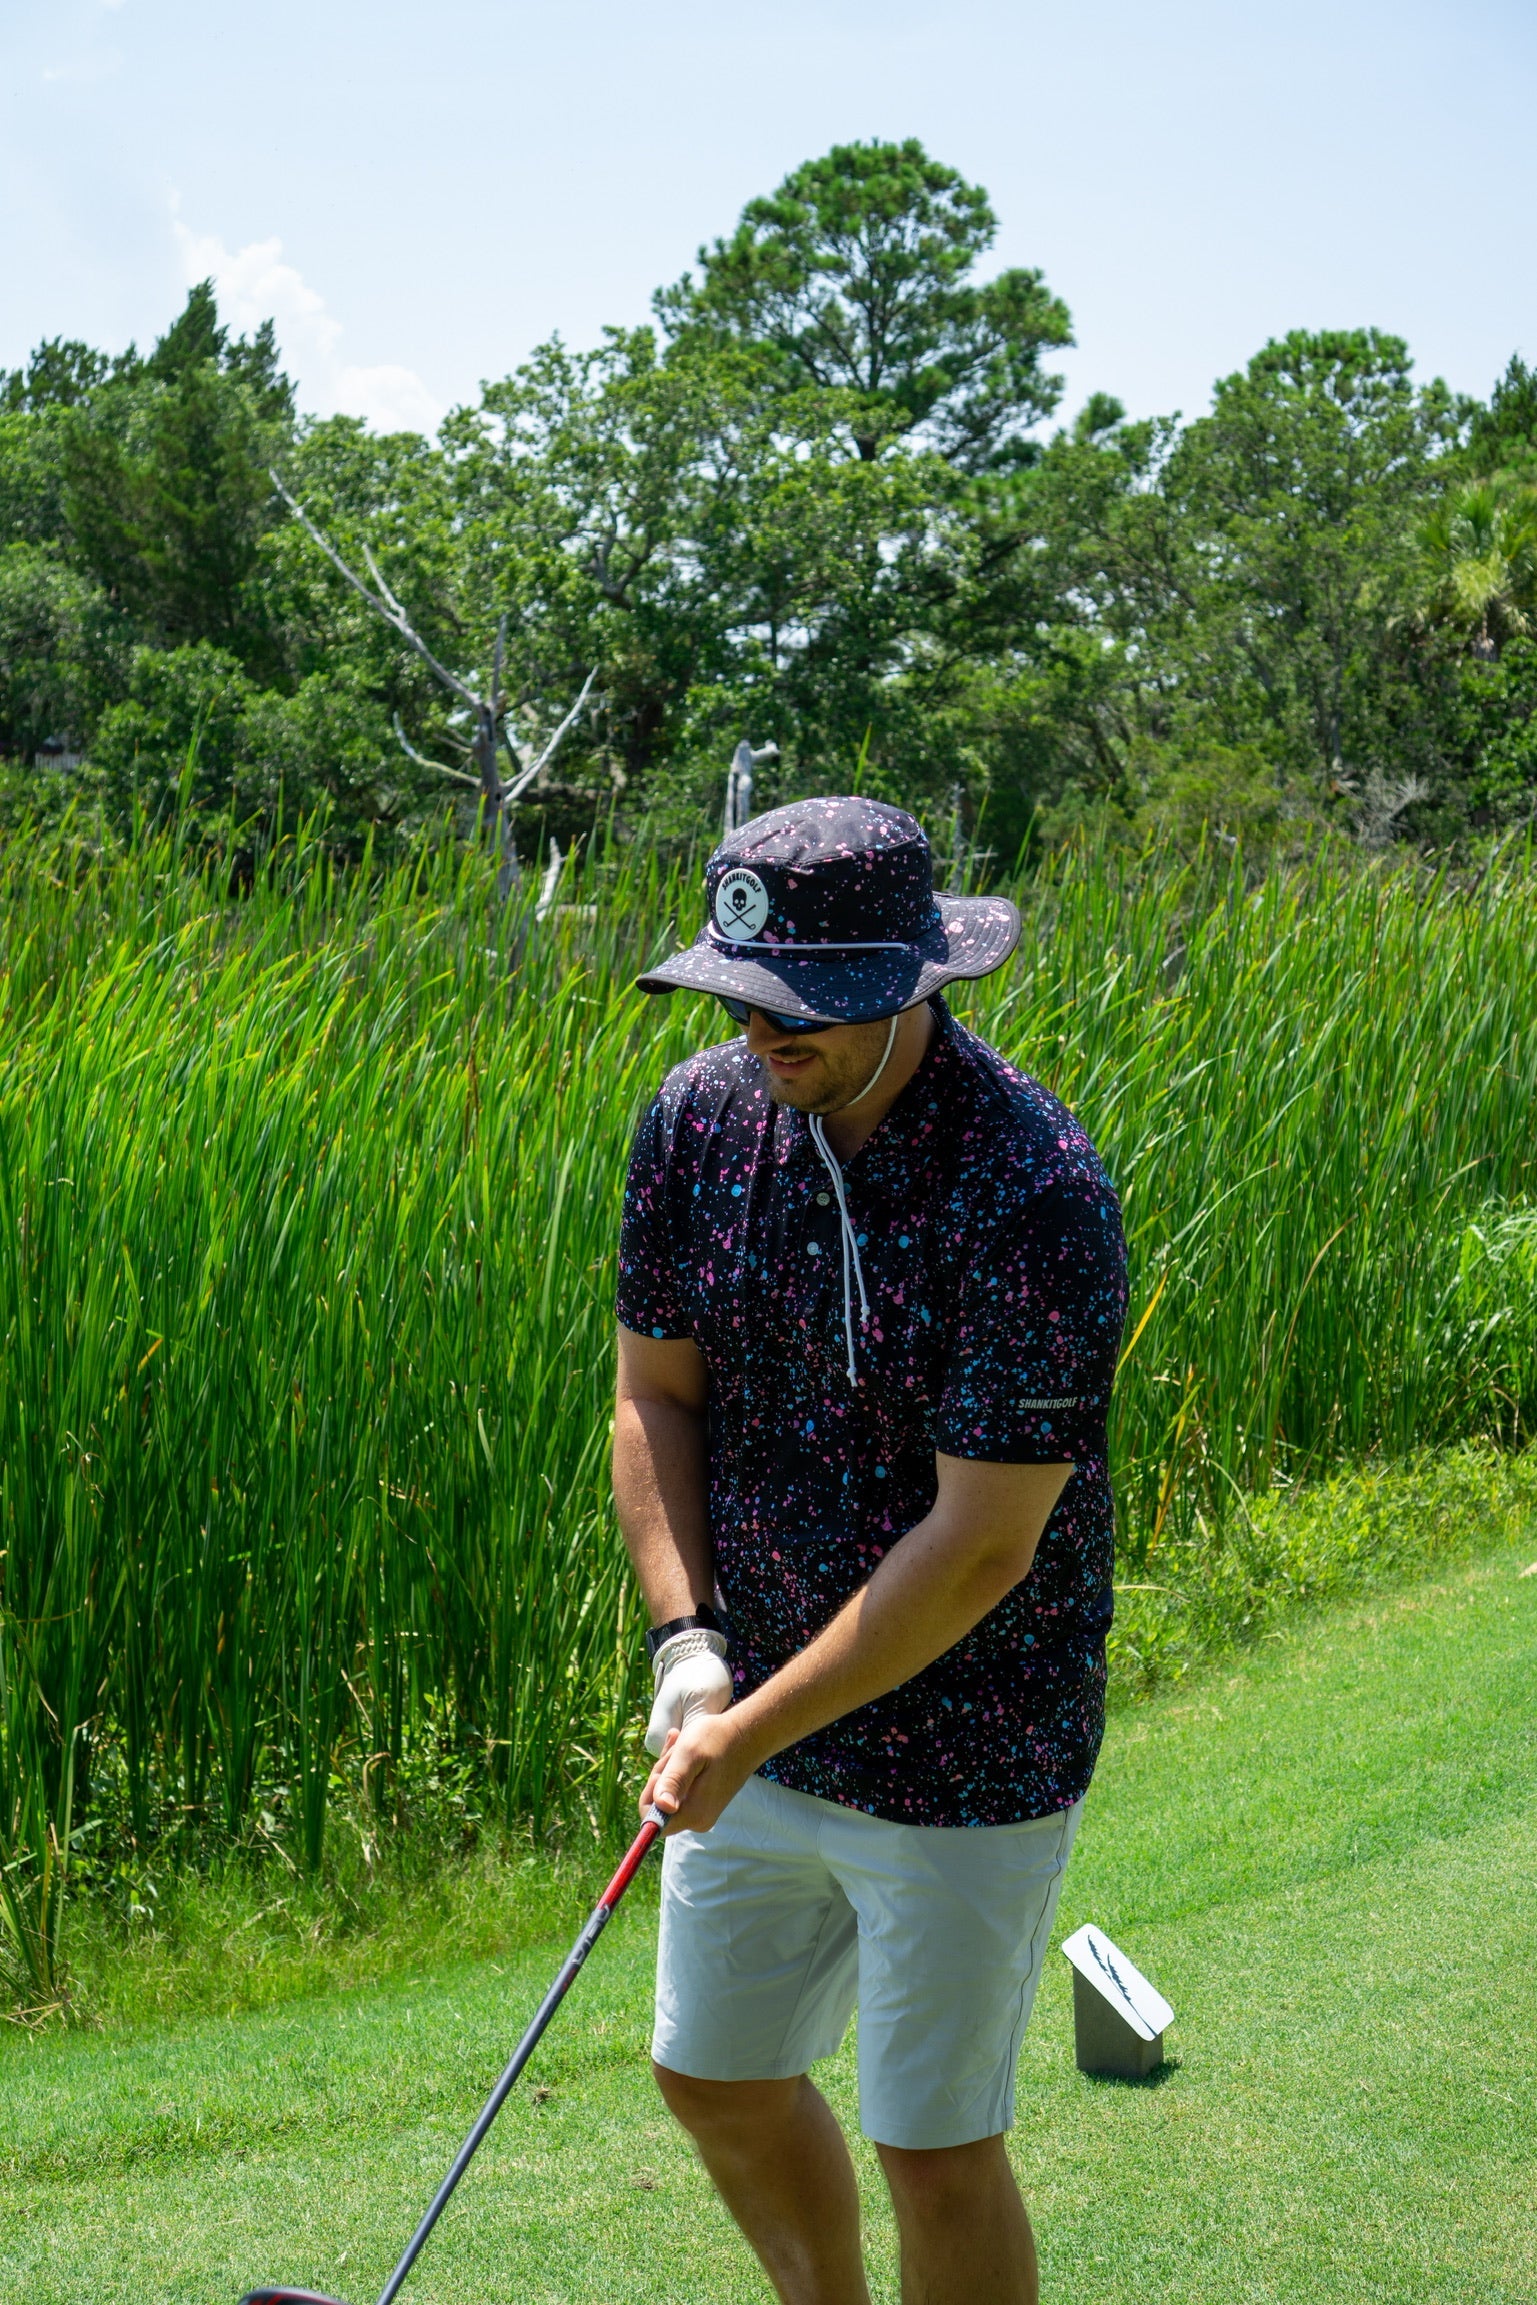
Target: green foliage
854	278
1499	734
1251	564
32	477
195	733
1479	550
61	649
176	738
60	374
820	508
1216	791
1503	436
37	1782
1214	1586
167	497
718	553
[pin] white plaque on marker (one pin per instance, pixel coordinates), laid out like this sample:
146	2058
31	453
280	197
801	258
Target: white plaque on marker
1119	1981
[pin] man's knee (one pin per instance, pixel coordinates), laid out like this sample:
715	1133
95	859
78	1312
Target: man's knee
725	2108
944	2182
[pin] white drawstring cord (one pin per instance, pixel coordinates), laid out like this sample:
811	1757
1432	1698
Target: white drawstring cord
835	1173
891	1042
830	1163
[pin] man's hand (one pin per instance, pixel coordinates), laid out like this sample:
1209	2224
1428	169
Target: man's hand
703	1765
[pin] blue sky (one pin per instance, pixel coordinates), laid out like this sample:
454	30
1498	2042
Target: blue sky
419	194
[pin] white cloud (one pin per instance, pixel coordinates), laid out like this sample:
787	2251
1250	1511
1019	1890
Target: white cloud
389	398
255	284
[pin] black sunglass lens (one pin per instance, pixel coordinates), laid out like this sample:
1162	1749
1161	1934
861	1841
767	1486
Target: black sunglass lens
740	1010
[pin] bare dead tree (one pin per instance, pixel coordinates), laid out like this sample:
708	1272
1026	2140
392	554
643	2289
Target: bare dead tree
739	782
488	710
1380	803
550	883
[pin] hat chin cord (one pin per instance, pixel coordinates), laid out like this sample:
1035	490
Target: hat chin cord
835	1177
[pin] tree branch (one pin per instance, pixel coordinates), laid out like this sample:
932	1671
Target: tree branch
525	776
441	766
382	602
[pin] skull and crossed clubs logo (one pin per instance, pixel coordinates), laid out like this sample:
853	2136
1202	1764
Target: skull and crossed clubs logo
741	905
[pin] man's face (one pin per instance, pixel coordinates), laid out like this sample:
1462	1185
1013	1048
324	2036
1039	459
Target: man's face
816	1071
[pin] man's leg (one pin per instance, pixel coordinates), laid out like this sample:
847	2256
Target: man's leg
779	2162
953	1927
966	2238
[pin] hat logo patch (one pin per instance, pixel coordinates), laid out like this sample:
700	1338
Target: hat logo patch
741	905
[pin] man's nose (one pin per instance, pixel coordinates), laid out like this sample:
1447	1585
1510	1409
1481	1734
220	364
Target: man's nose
763	1035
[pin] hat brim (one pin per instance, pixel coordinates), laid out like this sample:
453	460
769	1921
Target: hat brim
976	934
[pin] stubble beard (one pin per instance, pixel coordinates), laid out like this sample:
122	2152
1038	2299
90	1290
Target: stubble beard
838	1079
804	1096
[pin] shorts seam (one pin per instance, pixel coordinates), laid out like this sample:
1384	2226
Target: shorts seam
1030	1984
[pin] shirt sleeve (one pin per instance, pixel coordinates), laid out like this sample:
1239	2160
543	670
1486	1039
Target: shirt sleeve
1037	1331
648	1297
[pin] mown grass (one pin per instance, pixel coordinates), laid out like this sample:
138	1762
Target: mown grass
308	1196
1323	1850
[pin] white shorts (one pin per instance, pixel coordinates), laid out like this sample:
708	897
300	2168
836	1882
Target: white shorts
792	1910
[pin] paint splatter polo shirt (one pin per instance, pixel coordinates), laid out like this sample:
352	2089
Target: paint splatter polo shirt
995	1268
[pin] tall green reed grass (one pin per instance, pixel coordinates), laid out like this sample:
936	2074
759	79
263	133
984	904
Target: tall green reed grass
308	1195
1316	1097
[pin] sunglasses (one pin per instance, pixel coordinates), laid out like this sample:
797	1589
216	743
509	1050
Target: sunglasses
740	1010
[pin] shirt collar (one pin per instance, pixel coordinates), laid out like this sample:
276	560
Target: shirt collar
901	1144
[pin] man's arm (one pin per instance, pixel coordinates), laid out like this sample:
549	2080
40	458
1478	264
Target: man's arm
976	1544
659	1472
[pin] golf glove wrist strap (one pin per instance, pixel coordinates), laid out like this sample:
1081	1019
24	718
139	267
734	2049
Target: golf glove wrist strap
698	1641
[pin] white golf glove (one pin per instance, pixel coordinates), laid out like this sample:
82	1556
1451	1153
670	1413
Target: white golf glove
691	1676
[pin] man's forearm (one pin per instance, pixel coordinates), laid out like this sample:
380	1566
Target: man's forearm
926	1595
929	1591
659	1493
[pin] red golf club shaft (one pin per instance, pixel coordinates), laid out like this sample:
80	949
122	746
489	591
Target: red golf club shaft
592	1929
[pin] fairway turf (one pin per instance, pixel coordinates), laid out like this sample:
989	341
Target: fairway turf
1325	1854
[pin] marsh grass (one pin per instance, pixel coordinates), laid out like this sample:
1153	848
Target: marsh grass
308	1196
1227	1585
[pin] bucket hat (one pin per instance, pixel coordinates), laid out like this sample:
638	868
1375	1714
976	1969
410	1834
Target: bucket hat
826	910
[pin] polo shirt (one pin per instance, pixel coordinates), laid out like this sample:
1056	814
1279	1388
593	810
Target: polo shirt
995	1270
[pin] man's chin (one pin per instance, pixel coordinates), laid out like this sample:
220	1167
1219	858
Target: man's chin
800	1096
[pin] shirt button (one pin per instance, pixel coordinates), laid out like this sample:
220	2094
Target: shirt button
824	1200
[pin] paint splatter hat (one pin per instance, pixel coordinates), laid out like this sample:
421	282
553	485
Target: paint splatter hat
826	910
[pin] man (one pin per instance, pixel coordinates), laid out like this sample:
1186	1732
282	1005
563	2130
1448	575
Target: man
872	1283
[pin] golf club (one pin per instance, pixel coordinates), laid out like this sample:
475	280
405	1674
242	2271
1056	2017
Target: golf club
592	1929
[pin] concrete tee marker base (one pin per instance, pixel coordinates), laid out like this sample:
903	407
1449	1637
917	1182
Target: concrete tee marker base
1119	2019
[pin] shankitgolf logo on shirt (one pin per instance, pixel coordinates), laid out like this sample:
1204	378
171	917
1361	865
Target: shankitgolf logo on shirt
741	904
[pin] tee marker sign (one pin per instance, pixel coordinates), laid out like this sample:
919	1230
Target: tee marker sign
1118	2017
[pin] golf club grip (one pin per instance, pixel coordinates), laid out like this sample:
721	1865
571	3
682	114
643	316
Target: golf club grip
592	1929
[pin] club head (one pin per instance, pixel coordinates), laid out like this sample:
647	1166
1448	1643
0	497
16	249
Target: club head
287	2297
